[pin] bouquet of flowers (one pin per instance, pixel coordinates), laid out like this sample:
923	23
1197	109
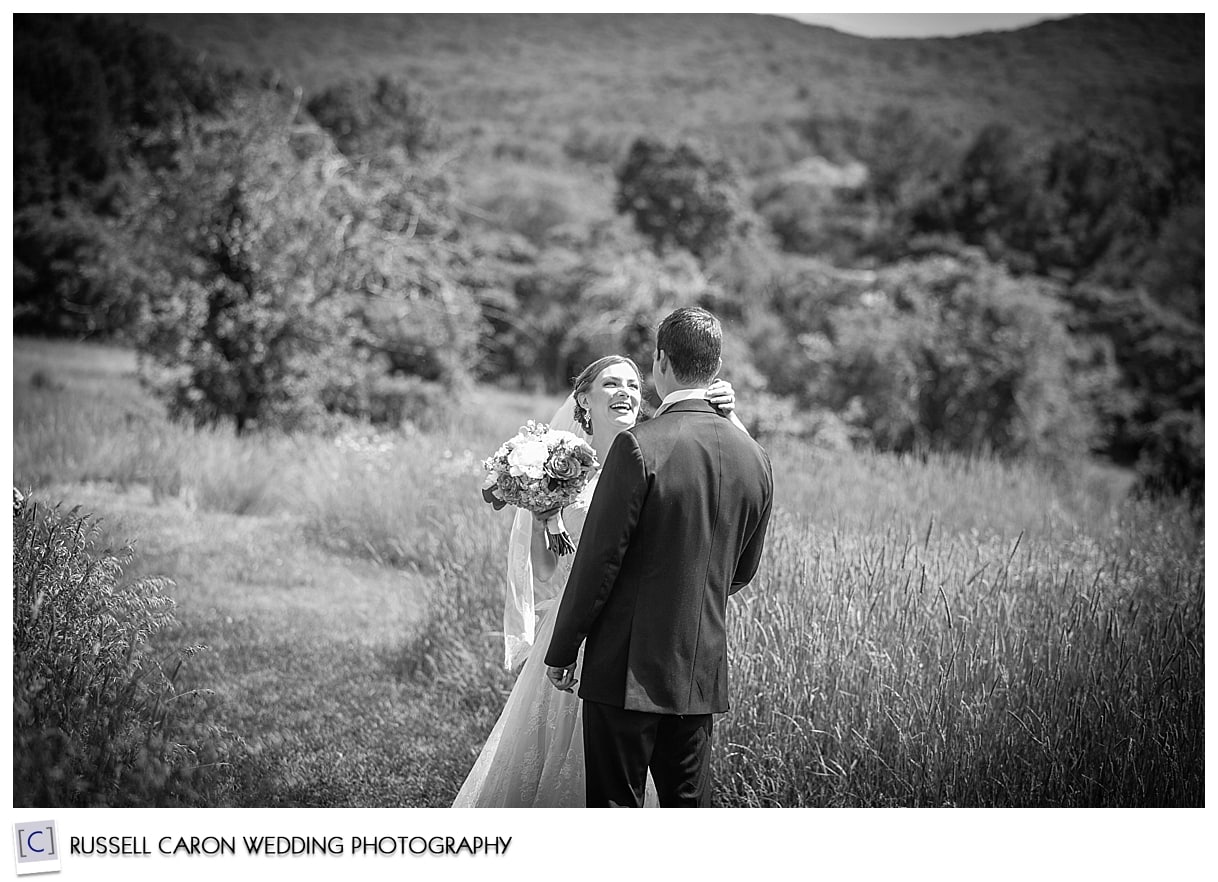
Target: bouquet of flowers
540	469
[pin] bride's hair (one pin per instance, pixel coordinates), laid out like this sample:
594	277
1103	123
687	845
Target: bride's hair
584	382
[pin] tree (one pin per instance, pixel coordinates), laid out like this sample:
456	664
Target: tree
87	90
907	161
73	272
94	98
372	118
248	313
285	283
1096	207
1091	207
605	295
1160	354
987	196
1174	271
67	133
678	197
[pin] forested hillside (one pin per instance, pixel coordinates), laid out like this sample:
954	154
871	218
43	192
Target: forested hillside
528	79
988	242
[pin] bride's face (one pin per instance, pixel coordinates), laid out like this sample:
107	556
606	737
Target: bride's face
613	399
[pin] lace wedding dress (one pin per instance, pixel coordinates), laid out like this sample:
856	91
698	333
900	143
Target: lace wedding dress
534	756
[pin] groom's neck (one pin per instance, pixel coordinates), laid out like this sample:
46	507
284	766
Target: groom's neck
675	385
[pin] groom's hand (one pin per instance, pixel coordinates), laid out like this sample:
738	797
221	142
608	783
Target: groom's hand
563	679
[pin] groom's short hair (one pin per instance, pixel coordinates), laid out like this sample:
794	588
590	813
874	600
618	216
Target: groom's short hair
693	340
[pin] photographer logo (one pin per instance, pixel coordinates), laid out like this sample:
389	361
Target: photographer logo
36	847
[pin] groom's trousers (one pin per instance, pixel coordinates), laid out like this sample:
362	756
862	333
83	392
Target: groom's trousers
620	745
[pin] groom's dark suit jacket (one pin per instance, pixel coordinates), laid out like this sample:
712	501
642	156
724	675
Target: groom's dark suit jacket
676	524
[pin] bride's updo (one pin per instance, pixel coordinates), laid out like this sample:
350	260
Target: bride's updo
587	377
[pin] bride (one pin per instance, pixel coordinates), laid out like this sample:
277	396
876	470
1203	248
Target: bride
535	753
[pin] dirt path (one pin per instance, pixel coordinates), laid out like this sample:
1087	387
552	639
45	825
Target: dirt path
306	652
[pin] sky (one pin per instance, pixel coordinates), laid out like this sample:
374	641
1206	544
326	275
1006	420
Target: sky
919	24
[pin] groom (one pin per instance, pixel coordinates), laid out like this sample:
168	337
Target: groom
676	524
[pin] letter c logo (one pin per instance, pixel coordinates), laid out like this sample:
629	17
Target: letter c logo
29	841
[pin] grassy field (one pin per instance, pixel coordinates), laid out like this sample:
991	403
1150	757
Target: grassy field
942	631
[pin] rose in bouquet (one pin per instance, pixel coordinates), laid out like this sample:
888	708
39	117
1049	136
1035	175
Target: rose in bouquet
540	470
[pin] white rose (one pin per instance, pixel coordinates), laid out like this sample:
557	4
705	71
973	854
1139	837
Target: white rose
528	459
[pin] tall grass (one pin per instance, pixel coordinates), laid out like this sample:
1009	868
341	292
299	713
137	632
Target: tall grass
393	500
897	669
924	630
66	433
962	631
941	631
80	416
971	496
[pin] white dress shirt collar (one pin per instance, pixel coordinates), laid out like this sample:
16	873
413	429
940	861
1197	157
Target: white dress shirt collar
680	395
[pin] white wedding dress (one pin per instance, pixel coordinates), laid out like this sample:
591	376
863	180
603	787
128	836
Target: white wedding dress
534	756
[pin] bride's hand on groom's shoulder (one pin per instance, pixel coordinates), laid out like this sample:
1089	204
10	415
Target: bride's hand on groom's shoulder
721	394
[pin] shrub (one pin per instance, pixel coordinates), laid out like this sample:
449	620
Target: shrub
385	399
96	719
960	355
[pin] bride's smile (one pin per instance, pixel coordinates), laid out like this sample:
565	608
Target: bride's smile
613	400
623	406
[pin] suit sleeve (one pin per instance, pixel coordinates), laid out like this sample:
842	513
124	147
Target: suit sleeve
612	517
750	558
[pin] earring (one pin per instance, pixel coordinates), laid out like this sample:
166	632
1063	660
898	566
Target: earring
582	417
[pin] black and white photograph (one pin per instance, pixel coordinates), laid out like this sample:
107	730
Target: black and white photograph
575	410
